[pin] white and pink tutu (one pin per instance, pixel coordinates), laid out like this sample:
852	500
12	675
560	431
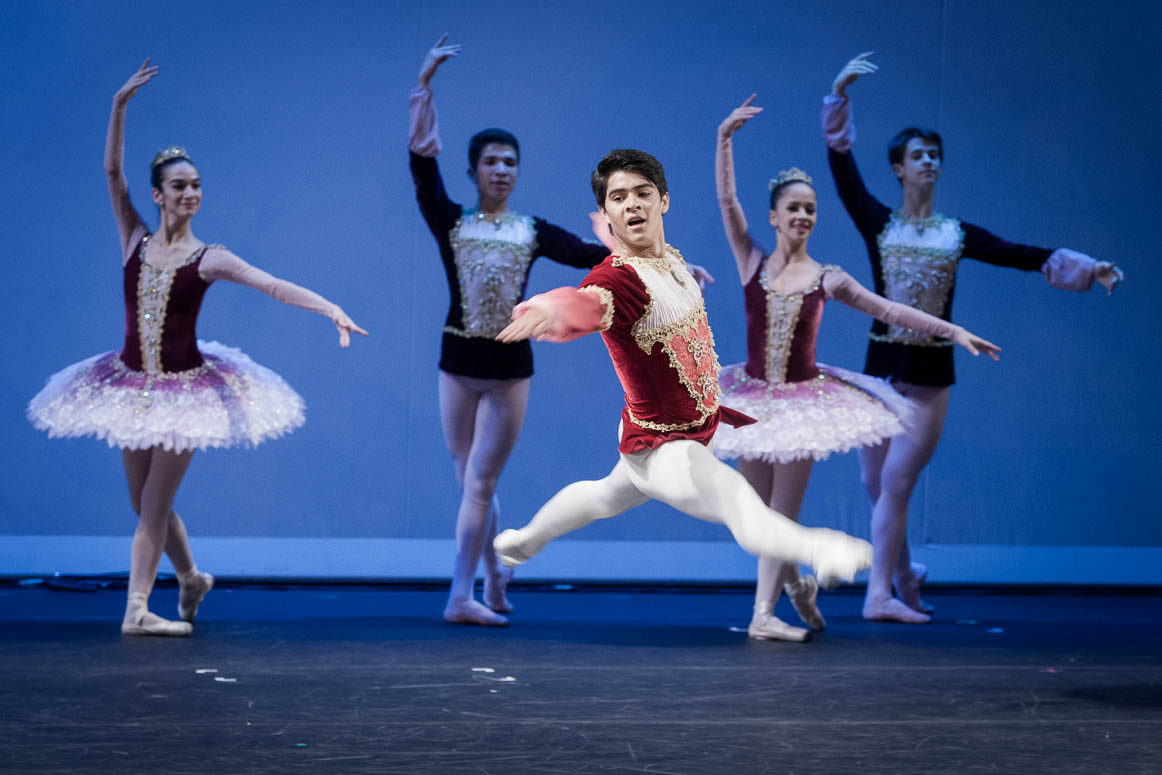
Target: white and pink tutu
228	401
835	411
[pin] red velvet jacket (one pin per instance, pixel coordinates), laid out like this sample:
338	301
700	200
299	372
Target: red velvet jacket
650	314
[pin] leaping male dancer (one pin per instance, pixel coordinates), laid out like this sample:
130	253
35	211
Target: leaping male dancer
649	311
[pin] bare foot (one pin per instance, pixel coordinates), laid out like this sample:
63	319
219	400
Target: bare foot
892	610
495	588
468	611
908	588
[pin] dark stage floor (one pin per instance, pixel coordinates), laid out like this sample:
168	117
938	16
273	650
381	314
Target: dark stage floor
365	679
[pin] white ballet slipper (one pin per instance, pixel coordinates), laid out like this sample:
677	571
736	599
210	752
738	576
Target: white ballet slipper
838	557
507	548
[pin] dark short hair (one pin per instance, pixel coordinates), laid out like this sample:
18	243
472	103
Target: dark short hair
627	160
778	189
157	174
486	136
900	142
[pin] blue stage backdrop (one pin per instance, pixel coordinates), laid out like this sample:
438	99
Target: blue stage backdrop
296	115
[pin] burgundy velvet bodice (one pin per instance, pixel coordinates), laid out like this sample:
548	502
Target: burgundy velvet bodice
161	313
781	330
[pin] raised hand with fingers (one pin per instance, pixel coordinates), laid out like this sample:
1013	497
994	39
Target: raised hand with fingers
435	57
975	345
739	116
144	75
345	325
851	73
700	275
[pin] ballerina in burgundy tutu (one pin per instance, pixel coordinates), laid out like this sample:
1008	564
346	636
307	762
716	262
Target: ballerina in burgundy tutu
166	393
805	410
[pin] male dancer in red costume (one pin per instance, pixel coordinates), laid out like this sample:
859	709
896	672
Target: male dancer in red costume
649	311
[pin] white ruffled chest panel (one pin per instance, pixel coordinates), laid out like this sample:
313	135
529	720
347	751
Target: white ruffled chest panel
918	261
675	317
492	262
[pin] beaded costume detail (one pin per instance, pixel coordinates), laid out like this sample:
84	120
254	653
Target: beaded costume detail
675	317
919	258
227	400
492	261
828	410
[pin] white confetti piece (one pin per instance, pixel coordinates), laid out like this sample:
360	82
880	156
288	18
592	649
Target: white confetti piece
225	680
202	670
483	670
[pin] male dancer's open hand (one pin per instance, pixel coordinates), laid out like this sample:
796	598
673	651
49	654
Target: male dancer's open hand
436	56
851	73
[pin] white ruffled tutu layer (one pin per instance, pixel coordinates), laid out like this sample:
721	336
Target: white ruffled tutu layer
837	411
229	401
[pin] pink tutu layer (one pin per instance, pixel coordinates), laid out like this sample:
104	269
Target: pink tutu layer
229	401
837	411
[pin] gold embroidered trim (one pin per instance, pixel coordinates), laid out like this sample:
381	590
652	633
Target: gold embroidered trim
663	264
655	426
699	349
605	296
646	339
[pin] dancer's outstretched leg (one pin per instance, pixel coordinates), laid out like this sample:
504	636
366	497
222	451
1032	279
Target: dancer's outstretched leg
904	459
154	476
686	475
571	509
481	421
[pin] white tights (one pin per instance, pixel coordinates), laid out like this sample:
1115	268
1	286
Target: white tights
889	472
683	474
481	419
154	476
782	486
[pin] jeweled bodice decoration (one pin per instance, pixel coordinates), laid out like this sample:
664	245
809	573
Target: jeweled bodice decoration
153	288
782	317
918	261
676	318
161	313
493	254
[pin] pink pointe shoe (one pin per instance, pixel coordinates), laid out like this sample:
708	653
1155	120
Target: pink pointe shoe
192	587
802	595
139	621
764	625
